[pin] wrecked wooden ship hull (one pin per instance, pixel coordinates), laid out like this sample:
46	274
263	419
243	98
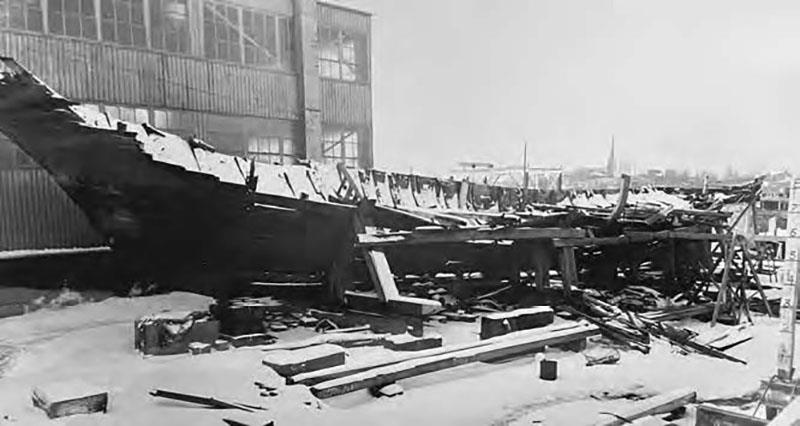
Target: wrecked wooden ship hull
176	208
174	205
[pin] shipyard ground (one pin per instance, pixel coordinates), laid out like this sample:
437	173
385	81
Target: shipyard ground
94	342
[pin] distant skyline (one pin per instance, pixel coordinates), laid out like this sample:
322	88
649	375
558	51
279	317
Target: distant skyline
683	84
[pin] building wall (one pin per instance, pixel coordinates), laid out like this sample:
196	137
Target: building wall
344	39
225	71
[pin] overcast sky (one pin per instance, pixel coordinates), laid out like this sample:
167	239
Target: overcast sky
687	84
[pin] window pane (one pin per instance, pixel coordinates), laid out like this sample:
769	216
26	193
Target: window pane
286	42
288	147
160	118
270	40
253	145
34	15
141	116
72	23
112	111
55	20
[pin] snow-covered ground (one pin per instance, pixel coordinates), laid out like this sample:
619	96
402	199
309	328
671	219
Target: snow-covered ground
94	342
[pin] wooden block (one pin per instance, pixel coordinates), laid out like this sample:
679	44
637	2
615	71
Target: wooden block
708	415
288	363
68	398
221	345
407	342
658	404
501	323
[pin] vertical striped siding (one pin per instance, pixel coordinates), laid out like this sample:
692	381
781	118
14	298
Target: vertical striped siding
345	103
36	214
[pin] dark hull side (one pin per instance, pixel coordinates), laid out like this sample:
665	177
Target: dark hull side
162	215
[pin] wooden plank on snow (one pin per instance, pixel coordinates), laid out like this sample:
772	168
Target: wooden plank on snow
658	404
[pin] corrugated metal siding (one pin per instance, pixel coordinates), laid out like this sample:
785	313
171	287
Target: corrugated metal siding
36	214
346	103
91	71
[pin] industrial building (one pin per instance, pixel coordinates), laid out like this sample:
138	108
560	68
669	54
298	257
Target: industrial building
274	80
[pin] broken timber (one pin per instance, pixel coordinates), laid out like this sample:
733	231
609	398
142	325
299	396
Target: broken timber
412	368
663	403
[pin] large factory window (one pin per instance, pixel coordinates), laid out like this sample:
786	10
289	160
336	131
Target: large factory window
221	28
271	150
122	21
260	38
22	14
169	25
341	146
341	55
246	35
74	18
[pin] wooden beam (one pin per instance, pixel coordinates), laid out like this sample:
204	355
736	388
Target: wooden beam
569	269
663	403
638	237
412	368
404	305
466	235
381	275
624	188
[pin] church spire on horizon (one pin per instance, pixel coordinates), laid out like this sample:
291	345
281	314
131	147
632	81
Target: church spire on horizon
611	163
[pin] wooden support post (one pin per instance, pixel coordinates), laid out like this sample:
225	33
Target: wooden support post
569	270
625	186
542	254
760	288
722	297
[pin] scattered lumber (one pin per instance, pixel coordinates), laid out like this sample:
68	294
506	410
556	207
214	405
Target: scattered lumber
346	340
288	363
726	339
679	313
633	339
499	350
709	415
68	398
210	402
659	404
681	337
347	370
500	323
